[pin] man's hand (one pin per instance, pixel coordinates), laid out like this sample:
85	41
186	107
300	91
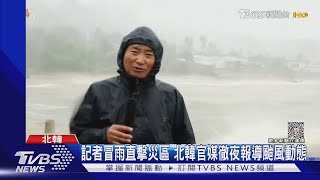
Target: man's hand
119	134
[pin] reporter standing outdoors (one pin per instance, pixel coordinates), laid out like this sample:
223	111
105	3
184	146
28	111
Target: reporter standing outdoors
134	107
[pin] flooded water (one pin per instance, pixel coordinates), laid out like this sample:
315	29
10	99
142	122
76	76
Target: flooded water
221	111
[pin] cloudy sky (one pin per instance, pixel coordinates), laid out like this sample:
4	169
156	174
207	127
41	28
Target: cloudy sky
176	19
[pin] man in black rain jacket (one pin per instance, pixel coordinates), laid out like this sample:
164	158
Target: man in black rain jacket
134	107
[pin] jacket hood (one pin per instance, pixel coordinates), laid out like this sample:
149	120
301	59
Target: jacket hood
145	36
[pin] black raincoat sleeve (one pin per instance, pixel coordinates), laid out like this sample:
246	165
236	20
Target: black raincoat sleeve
182	130
85	123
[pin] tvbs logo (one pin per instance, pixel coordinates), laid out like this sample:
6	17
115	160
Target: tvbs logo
31	163
300	15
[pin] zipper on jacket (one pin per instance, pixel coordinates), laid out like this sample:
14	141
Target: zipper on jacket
138	87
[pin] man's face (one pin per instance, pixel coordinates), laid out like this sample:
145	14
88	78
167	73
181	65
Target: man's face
138	60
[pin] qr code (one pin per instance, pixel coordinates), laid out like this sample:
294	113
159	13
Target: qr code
296	130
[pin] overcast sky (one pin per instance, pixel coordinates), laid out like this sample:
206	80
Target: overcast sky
175	19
